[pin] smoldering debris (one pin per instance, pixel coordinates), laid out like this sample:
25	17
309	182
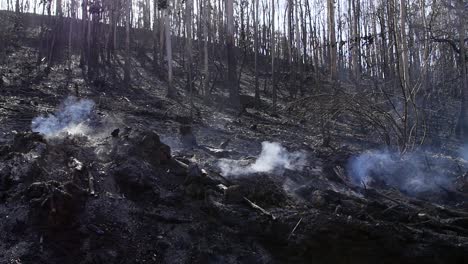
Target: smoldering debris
71	117
413	172
273	158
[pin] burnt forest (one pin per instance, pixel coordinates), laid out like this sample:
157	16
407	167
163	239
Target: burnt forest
233	131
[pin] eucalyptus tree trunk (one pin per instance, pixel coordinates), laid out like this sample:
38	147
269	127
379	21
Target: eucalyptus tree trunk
404	46
58	8
162	34
188	48
127	42
292	70
298	56
155	33
206	21
463	119
257	88
332	40
167	23
290	33
70	30
231	57
356	40
84	48
273	82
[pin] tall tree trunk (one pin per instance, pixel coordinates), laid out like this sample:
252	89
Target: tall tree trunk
463	120
167	24
290	33
332	40
155	34
58	8
272	48
206	21
231	57
257	88
188	49
70	30
356	40
127	42
85	29
89	59
298	56
404	45
402	48
162	34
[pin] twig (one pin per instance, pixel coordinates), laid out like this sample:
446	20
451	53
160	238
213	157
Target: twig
91	184
41	243
295	227
390	208
260	209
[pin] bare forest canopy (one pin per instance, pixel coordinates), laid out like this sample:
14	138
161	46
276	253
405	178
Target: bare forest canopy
402	59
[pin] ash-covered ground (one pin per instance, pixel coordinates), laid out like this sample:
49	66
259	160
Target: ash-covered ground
105	173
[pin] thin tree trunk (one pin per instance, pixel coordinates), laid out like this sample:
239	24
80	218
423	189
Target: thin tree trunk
188	48
155	34
84	20
167	13
58	8
257	88
206	21
231	57
332	40
127	42
72	18
272	48
463	120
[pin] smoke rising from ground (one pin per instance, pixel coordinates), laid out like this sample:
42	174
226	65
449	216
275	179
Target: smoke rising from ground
71	117
463	152
413	172
273	157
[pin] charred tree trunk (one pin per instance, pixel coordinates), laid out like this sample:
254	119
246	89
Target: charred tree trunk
167	23
257	88
332	41
463	118
206	21
84	48
231	56
273	81
127	42
155	34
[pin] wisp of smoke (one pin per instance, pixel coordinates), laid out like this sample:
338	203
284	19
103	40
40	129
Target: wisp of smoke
414	172
273	157
71	117
463	152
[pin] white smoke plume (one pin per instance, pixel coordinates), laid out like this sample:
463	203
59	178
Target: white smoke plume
71	118
413	172
273	157
463	152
